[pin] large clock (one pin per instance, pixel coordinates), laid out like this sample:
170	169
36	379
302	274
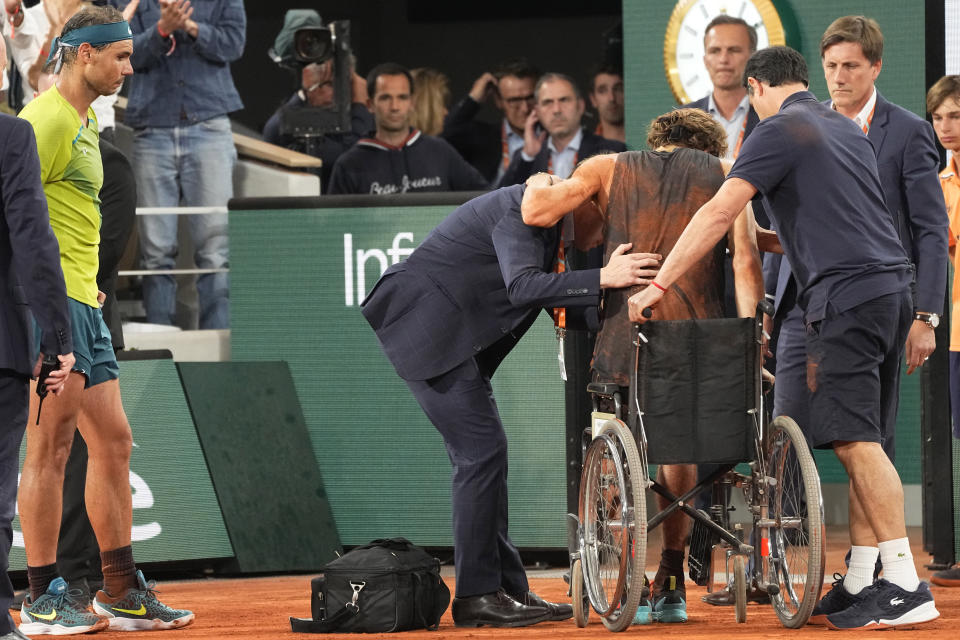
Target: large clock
683	43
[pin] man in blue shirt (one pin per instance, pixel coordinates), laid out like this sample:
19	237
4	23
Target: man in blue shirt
183	151
853	281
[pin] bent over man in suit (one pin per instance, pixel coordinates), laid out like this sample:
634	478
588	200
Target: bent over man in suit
446	317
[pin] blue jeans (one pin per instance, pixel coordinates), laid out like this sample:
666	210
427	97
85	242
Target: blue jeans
192	166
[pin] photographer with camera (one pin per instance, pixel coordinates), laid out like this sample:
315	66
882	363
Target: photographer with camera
309	121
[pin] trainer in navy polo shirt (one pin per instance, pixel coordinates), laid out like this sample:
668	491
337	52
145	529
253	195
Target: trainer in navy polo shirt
817	174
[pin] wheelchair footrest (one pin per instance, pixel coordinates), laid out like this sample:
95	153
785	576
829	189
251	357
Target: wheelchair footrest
603	388
702	540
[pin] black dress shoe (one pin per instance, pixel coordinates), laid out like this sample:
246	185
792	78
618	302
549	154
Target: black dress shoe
725	597
558	611
495	610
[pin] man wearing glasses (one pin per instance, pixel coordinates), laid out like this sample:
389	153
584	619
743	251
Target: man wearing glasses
489	146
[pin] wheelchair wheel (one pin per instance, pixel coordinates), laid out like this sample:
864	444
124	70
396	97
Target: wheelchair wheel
796	535
581	605
740	587
613	514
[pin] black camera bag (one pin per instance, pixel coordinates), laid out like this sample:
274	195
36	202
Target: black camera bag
387	585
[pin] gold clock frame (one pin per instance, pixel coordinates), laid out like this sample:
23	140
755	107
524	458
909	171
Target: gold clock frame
768	14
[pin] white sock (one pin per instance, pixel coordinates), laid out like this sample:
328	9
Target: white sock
863	561
898	566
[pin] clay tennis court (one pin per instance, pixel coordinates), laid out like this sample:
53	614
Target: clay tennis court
259	608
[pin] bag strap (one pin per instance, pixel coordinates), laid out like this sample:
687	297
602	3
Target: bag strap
334	622
329	625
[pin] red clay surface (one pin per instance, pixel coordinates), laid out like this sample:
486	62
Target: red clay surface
249	608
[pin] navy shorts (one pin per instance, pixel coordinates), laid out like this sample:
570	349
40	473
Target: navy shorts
92	344
853	371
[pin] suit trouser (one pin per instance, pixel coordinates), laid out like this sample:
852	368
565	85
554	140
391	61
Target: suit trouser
461	406
14	407
791	396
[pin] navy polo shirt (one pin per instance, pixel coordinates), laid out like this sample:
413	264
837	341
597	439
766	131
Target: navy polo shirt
817	174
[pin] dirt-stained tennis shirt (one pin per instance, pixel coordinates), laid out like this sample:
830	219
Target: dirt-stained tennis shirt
653	197
72	173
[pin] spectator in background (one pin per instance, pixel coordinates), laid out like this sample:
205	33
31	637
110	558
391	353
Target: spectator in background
430	100
943	103
606	96
400	159
183	152
318	91
489	146
553	140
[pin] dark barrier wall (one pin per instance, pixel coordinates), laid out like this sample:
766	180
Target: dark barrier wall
297	277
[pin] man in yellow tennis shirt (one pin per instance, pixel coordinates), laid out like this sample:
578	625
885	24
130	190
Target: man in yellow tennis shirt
93	57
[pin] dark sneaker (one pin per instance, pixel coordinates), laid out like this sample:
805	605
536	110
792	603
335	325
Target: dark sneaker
670	604
948	577
835	601
58	613
883	605
139	610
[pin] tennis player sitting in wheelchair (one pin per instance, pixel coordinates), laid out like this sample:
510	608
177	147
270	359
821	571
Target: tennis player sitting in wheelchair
694	384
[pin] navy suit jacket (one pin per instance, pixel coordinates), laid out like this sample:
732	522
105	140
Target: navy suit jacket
907	162
30	272
472	289
591	145
477	141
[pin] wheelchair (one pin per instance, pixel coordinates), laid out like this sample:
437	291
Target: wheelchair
697	385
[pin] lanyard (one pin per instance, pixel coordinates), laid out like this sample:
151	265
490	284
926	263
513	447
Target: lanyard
505	148
866	127
743	131
560	313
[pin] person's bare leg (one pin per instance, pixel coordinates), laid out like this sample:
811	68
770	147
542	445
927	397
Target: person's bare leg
678	479
105	429
41	482
879	493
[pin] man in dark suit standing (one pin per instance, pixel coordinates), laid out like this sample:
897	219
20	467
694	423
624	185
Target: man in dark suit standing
728	43
446	317
553	140
851	51
32	282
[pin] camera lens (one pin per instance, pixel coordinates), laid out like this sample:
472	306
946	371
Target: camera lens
312	44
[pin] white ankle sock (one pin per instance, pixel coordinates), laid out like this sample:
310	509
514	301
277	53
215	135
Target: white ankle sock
859	576
897	562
